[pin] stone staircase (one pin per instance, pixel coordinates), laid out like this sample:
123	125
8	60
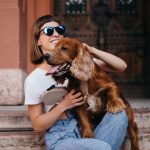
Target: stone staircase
16	132
142	117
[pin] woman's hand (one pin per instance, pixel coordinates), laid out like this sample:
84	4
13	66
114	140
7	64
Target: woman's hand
106	61
89	48
72	99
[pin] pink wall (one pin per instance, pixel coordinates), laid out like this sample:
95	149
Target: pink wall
17	17
9	30
35	9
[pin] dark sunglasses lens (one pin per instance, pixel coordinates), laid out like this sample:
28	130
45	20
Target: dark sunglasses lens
60	29
48	31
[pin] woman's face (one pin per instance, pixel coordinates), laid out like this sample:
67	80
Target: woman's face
48	42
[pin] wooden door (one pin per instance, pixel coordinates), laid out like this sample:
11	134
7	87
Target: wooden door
116	26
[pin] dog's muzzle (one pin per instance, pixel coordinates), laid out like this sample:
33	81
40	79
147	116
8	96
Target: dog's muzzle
59	70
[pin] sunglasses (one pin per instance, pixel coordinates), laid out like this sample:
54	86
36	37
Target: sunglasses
50	30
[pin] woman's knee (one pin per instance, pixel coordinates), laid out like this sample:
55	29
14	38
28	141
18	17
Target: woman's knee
120	118
115	119
111	123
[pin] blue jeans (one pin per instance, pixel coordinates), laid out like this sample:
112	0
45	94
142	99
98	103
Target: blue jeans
108	135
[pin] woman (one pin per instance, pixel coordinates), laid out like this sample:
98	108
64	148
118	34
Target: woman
61	128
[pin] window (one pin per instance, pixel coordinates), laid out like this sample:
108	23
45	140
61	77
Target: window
75	6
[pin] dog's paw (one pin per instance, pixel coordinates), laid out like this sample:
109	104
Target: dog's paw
115	106
87	134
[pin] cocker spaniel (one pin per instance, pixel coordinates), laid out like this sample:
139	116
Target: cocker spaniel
73	61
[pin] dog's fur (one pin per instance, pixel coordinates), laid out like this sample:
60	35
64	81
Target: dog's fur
100	92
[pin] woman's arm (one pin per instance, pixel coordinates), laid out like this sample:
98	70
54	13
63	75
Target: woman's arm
42	121
107	61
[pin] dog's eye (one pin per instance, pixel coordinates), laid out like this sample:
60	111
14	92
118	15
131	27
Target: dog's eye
63	48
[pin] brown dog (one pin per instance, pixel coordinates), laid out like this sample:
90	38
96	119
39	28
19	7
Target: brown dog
100	92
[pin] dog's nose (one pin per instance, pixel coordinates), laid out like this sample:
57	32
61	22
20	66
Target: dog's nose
47	58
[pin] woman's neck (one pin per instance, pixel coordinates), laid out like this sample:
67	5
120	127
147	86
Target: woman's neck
44	66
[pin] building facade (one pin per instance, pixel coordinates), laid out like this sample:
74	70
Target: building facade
121	27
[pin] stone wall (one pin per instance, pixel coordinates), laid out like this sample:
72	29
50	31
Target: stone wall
12	51
11	86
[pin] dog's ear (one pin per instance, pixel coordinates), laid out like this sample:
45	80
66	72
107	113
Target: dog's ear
83	65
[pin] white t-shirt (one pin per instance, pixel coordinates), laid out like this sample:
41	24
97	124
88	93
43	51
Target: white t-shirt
35	84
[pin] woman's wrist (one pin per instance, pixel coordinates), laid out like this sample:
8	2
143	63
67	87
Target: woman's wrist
61	107
92	50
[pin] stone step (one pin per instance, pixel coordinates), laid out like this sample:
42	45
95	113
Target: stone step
141	109
142	118
21	140
16	118
16	131
143	138
28	140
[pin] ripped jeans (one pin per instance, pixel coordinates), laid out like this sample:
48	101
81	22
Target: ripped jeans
108	135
